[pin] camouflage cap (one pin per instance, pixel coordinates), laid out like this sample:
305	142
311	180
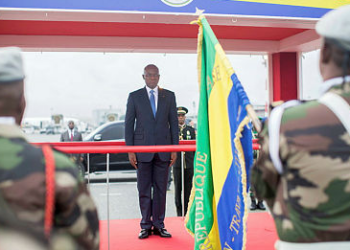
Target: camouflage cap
182	110
11	65
335	25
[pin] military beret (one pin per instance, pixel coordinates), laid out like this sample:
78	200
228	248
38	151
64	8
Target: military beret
335	25
182	110
11	65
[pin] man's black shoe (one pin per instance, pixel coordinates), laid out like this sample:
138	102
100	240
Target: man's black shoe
144	233
253	206
162	232
261	205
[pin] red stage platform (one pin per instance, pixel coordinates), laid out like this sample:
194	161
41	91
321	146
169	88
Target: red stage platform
123	234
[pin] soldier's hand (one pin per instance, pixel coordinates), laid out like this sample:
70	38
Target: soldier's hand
132	160
173	158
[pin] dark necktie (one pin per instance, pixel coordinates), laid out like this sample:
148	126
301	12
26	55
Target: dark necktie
153	102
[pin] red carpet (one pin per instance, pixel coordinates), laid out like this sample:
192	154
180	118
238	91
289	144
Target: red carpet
123	235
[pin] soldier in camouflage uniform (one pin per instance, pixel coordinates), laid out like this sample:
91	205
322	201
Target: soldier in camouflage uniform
15	235
303	171
14	238
18	235
22	170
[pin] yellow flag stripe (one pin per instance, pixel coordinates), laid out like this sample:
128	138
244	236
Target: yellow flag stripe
219	124
213	239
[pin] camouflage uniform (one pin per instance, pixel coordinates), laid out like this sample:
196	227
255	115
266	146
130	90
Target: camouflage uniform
13	239
22	184
15	235
310	200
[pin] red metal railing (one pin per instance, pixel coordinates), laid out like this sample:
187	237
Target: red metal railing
104	147
107	147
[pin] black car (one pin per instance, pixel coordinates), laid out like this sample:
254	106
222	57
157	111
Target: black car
112	131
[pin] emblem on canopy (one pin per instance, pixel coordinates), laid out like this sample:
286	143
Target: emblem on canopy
177	3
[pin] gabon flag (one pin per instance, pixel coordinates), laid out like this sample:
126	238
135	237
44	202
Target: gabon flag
217	211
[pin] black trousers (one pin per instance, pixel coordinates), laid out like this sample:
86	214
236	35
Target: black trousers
188	176
152	179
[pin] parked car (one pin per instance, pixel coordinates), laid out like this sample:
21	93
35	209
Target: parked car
52	130
112	131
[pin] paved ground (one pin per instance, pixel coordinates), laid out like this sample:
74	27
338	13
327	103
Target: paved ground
123	200
43	138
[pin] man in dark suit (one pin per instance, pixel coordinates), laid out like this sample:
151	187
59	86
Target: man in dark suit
73	135
186	132
154	111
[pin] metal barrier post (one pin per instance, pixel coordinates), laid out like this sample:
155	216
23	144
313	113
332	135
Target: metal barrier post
88	169
108	198
182	184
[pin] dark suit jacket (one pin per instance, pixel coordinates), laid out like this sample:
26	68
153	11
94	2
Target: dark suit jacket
65	136
77	137
150	130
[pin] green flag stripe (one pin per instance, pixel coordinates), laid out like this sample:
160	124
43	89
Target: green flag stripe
200	215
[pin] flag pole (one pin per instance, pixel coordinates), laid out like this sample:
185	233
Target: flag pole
249	108
254	117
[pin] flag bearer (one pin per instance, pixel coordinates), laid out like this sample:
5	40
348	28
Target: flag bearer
303	171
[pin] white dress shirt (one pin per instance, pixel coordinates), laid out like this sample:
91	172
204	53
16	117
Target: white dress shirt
155	94
70	132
